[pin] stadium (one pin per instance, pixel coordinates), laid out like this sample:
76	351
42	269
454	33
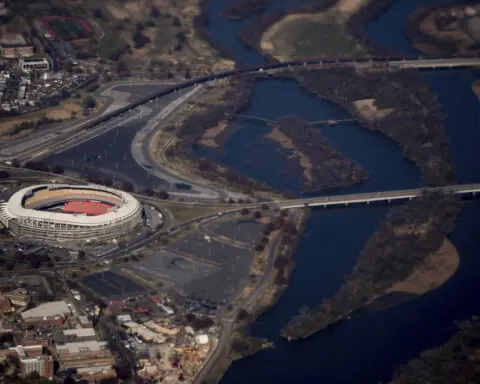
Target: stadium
70	213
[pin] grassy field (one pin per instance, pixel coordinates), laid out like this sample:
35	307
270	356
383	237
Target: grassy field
315	39
111	42
66	27
184	212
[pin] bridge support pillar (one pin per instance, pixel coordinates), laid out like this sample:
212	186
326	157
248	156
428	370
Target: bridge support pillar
368	202
389	201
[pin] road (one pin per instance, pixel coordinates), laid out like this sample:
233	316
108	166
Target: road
227	321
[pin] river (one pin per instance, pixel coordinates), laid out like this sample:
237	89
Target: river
367	348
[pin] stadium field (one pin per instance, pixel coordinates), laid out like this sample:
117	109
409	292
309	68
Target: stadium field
67	28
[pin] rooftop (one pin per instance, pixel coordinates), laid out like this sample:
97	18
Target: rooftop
52	308
82	346
12	39
80	332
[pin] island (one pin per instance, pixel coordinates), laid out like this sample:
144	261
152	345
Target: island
323	166
245	8
408	253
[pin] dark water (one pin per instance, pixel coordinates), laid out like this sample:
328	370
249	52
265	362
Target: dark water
367	348
268	162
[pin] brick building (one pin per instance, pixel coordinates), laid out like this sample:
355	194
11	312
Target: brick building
41	364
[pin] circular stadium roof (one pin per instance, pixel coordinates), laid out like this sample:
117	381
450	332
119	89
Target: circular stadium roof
129	206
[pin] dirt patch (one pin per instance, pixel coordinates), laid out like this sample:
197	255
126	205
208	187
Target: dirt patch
436	270
370	111
67	110
286	142
208	138
350	7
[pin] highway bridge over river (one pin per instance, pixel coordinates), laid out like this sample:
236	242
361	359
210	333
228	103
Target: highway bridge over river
371	197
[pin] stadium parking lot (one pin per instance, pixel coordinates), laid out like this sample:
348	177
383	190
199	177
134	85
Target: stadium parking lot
243	231
171	268
197	246
111	285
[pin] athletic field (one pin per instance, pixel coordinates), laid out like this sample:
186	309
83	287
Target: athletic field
66	28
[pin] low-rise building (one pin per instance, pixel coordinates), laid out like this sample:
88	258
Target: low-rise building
29	64
47	315
14	45
122	319
51	308
95	374
84	354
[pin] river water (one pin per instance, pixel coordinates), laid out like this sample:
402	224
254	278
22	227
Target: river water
367	348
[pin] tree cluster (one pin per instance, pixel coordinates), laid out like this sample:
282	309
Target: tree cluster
455	362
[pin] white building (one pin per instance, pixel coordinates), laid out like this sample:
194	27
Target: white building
28	64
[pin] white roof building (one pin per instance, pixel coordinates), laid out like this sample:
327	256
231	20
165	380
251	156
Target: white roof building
81	346
50	309
122	319
80	332
201	339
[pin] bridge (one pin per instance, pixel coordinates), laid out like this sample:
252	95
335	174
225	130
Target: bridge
370	197
321	123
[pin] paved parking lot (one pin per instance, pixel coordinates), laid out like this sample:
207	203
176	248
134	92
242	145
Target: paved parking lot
175	270
197	246
244	231
111	285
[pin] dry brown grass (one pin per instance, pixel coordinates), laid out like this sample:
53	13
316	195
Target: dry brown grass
286	142
209	136
370	111
436	270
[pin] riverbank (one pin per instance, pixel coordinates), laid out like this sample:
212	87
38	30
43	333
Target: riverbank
264	290
456	361
406	248
443	31
284	36
241	9
294	36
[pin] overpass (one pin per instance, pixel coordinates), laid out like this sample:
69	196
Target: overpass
370	197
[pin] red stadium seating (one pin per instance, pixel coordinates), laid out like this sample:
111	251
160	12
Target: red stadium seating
87	207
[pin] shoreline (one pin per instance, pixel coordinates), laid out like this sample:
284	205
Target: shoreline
424	33
273	289
392	255
252	35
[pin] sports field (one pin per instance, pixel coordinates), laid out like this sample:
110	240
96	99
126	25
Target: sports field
66	28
